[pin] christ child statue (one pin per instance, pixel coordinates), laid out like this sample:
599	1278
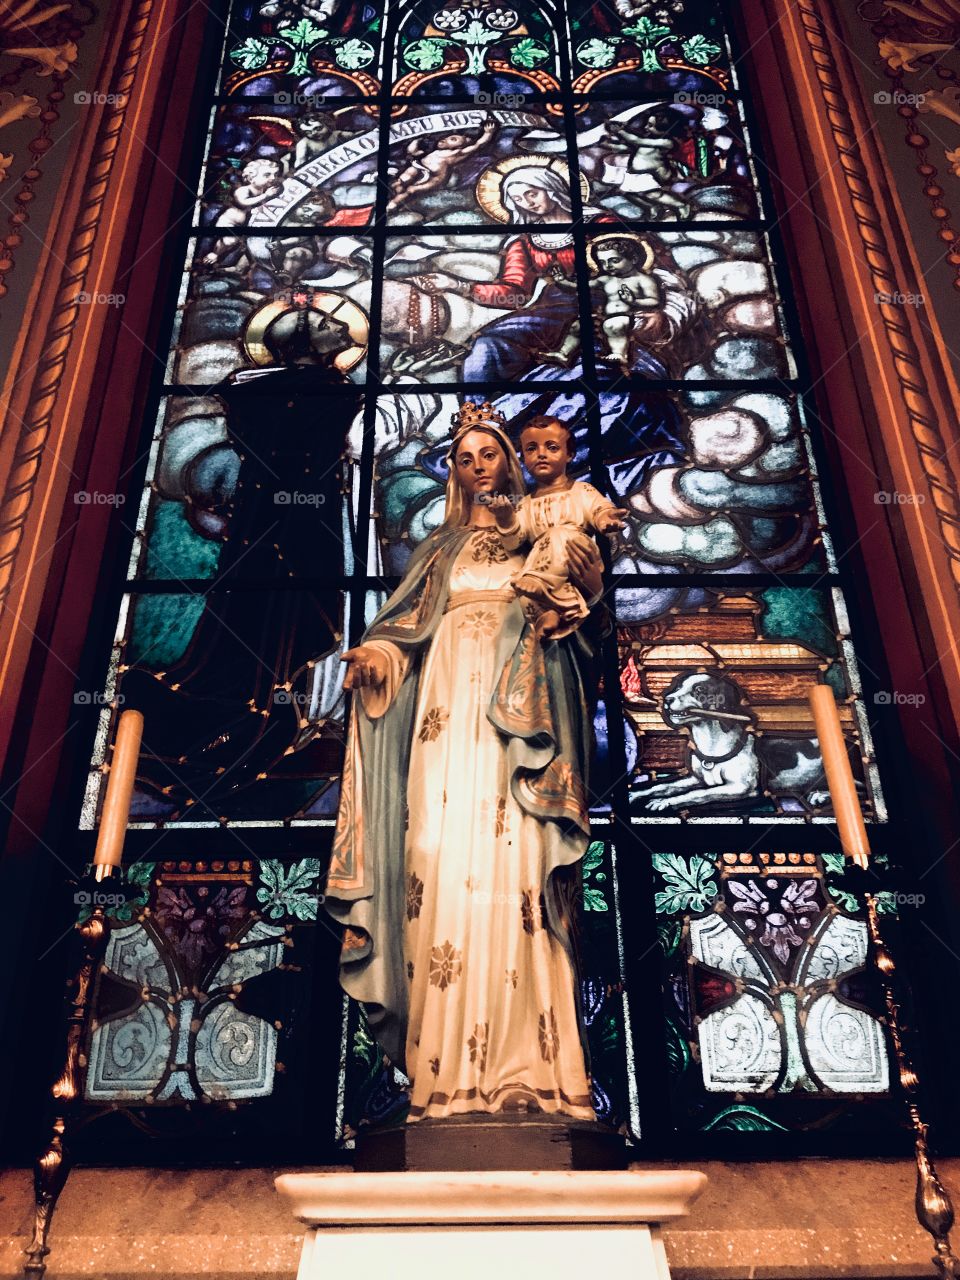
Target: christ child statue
557	512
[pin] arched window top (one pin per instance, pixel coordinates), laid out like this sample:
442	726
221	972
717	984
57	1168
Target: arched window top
468	47
319	49
330	49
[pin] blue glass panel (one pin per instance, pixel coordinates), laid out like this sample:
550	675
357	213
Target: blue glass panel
691	304
714	482
250	487
245	293
241	694
482	308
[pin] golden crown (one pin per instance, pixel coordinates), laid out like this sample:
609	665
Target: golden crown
477	415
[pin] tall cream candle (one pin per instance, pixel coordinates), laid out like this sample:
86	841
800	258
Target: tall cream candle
116	804
836	765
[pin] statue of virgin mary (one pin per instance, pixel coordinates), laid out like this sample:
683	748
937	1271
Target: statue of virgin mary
464	813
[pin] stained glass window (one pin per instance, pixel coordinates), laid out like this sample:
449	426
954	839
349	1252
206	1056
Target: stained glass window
303	48
767	990
557	207
469	48
178	1016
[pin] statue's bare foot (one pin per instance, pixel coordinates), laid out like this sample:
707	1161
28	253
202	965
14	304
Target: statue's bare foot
520	1100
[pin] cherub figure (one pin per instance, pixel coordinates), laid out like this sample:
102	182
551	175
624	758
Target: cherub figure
428	170
558	512
650	168
318	134
315	210
261	180
625	290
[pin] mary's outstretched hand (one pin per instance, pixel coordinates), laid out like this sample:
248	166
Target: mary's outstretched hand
367	667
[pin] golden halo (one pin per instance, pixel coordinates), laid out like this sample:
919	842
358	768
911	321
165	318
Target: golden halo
490	182
620	235
332	304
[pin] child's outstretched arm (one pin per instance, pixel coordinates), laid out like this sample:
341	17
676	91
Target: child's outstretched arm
610	520
603	516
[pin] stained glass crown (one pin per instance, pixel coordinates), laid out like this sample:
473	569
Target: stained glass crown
477	415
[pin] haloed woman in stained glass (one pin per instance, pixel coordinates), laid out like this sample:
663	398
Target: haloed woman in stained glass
531	191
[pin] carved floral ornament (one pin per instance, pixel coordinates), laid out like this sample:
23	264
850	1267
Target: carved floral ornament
42	38
917	41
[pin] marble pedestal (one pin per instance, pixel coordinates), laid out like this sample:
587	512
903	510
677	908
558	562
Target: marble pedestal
509	1224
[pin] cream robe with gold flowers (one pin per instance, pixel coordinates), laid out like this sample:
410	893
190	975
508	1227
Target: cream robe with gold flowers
492	1016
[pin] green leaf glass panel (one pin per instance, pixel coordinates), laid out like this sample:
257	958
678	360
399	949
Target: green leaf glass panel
467	48
639	49
290	51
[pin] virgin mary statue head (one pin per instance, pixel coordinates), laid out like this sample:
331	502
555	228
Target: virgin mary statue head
467	458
